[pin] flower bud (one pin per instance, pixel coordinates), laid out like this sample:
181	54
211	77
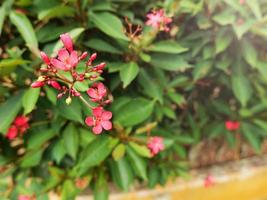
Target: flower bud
55	85
67	41
37	84
68	100
45	58
83	56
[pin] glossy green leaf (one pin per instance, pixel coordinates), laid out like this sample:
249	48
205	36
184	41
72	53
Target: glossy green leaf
26	30
118	152
223	40
32	158
109	24
59	151
73	111
128	73
250	135
121	173
249	53
71	140
169	62
138	163
167	46
8	112
95	153
134	112
56	12
30	99
37	139
141	150
102	45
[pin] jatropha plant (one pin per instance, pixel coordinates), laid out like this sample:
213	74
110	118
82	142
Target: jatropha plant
61	73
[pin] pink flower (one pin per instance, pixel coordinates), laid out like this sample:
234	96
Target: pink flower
24	197
45	58
242	2
12	132
67	41
97	92
209	181
65	61
158	20
155	144
37	84
100	120
232	125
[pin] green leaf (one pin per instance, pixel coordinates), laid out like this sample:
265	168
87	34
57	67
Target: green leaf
255	7
135	112
169	62
225	17
69	190
8	112
118	152
59	151
31	158
109	24
128	73
51	94
223	40
29	99
121	173
249	53
102	45
138	163
241	88
150	86
86	137
73	111
141	150
26	30
95	153
37	139
167	46
74	34
241	29
9	65
56	12
71	140
252	138
101	187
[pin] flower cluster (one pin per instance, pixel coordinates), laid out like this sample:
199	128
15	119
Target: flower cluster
18	127
232	125
158	20
24	197
155	144
66	61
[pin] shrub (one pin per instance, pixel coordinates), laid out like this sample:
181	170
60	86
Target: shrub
177	72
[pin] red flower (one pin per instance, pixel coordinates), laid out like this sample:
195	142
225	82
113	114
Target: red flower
158	20
100	120
209	181
232	125
12	132
65	61
155	144
97	92
19	126
24	197
67	41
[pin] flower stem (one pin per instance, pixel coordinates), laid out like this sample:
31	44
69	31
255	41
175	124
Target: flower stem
85	102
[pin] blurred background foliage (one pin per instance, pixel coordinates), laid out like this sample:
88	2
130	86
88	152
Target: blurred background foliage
182	85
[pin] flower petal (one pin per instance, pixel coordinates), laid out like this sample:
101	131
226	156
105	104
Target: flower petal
58	64
107	125
89	121
92	93
63	55
97	112
106	115
67	41
97	129
73	60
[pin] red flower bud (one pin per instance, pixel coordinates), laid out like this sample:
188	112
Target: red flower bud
83	56
37	84
45	58
55	85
